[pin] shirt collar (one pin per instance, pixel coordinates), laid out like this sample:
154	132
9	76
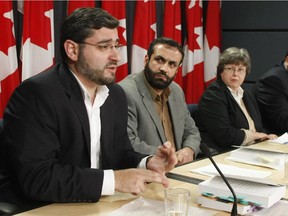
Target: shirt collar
102	91
237	94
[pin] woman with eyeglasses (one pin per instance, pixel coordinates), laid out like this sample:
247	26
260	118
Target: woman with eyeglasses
227	114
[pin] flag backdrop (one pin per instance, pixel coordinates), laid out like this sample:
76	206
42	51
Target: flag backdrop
9	74
212	40
193	65
118	10
172	27
144	32
181	20
38	37
73	4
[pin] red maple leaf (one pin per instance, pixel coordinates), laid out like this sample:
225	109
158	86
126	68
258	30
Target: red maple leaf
213	23
121	31
36	25
194	20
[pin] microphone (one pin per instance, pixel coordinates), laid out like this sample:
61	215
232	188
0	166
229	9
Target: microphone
206	151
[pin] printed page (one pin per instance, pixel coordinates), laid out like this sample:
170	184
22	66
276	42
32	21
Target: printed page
272	160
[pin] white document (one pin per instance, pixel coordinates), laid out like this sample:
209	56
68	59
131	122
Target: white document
274	160
148	207
236	173
283	139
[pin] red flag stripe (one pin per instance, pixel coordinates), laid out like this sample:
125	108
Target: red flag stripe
193	66
9	74
212	40
118	10
172	27
144	32
38	43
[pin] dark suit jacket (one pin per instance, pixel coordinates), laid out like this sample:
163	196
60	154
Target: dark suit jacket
48	139
272	98
220	118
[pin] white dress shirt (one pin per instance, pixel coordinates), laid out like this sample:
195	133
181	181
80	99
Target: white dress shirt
238	96
93	111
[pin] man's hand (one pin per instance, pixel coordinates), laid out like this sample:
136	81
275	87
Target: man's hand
134	180
164	160
185	155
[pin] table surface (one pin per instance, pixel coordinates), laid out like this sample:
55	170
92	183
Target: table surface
183	177
184	173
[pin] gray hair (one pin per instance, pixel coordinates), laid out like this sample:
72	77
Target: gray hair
234	55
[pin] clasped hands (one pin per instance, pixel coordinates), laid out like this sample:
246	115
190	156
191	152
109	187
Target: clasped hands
135	180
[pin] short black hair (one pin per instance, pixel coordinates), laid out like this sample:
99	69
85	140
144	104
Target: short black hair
79	25
165	40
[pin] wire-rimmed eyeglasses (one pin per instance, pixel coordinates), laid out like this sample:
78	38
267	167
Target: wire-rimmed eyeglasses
105	47
232	70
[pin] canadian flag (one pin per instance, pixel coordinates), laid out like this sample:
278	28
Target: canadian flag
144	32
73	5
118	10
38	37
212	40
9	74
193	65
172	27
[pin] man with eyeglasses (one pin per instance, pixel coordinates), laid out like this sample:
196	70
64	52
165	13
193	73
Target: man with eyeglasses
227	114
65	128
272	97
157	111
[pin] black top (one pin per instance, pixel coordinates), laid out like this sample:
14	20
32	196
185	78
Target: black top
220	118
272	98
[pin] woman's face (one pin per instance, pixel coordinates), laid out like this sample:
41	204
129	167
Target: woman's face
233	75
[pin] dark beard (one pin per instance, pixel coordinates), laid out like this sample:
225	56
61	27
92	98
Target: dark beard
95	75
155	82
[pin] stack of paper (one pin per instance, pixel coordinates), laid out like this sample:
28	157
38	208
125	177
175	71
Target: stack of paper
252	194
226	204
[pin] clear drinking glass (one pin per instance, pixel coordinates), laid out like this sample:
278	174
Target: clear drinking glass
177	201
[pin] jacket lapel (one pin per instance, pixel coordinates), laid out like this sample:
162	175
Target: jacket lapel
149	106
76	99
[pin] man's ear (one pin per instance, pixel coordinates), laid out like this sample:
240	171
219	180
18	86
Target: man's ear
71	49
146	59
